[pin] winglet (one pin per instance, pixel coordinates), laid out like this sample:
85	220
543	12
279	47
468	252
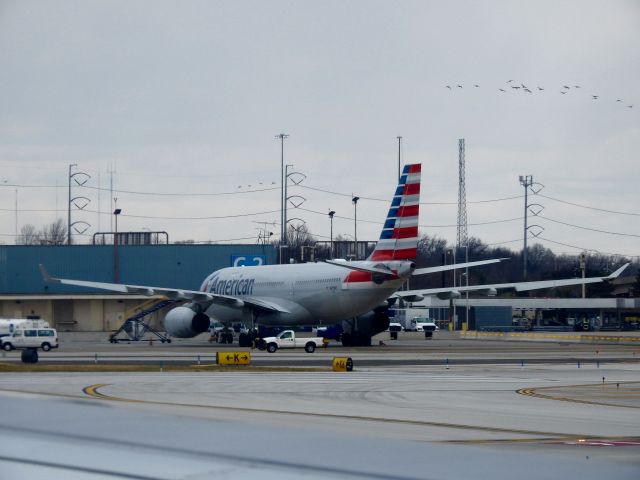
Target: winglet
617	273
45	275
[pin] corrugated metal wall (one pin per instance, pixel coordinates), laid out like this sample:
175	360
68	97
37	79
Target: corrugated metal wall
176	266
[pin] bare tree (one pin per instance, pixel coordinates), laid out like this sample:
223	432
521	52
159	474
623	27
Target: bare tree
54	234
29	235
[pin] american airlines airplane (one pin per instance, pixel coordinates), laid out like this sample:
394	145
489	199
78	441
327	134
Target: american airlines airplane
356	293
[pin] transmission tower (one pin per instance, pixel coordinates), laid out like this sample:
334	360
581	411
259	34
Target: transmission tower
462	237
462	240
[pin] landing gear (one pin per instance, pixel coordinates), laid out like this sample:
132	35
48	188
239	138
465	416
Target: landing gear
225	337
356	339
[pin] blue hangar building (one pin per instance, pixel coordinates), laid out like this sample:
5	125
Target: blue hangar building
23	293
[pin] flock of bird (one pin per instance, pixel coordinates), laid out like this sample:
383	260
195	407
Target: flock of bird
516	86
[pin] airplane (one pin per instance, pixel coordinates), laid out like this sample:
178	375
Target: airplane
356	293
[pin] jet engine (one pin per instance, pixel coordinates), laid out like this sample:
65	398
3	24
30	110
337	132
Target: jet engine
449	295
182	322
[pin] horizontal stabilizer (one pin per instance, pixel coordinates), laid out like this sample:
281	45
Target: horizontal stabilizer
362	268
455	266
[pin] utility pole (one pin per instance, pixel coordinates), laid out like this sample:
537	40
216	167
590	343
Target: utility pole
286	199
399	137
283	227
84	201
526	181
16	226
69	206
331	214
355	225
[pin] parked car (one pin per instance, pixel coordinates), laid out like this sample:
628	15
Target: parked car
422	326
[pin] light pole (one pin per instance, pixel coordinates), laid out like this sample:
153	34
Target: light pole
452	315
355	225
116	260
583	264
331	214
466	314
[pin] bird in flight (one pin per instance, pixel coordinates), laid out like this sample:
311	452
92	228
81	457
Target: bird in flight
476	85
566	87
540	88
459	86
595	97
509	81
563	93
629	106
576	86
619	100
449	87
501	89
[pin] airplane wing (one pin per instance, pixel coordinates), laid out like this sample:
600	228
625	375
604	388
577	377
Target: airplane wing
454	292
172	293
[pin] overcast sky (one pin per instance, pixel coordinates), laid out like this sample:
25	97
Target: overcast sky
186	97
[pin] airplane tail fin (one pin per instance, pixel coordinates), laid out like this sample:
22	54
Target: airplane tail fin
399	237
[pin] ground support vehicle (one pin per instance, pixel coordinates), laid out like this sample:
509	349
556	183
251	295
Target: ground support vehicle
288	339
30	338
8	325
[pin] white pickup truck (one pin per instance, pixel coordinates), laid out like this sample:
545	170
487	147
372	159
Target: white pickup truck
287	339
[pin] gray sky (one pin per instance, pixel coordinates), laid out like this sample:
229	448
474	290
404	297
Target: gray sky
186	97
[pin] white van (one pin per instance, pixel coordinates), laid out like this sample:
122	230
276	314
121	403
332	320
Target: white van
45	338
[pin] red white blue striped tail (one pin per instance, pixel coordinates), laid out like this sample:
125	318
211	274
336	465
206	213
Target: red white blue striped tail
399	237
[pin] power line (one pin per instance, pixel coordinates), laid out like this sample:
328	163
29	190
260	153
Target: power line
590	229
160	194
386	200
422	226
590	208
506	241
588	249
152	216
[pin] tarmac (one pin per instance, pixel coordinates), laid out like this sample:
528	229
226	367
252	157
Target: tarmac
483	414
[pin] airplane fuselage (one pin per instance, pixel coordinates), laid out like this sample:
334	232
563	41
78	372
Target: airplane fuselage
311	293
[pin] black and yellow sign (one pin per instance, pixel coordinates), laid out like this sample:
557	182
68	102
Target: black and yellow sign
342	364
233	358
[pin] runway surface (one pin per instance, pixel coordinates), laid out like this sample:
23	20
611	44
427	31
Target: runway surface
540	420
